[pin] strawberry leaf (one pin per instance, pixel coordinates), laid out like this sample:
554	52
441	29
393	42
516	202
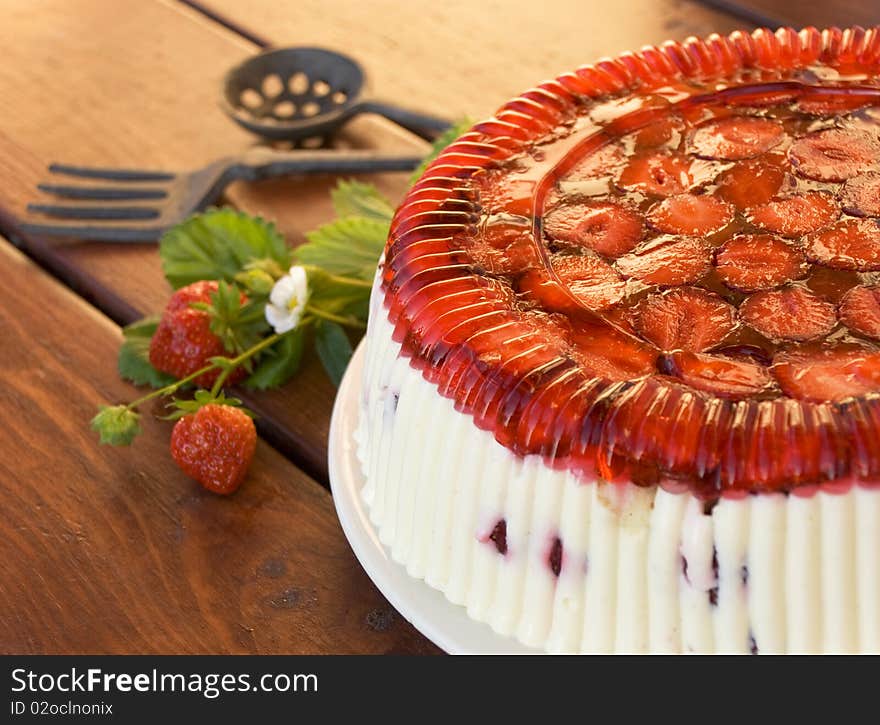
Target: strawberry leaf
349	246
134	355
333	348
116	424
279	363
354	198
219	244
202	398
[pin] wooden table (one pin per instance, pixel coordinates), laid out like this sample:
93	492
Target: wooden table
114	550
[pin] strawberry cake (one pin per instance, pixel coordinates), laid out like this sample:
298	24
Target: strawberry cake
622	381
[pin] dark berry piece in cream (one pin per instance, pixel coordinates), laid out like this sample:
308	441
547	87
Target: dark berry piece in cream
554	559
499	536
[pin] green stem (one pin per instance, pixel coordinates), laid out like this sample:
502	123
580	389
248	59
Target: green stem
233	363
346	321
350	281
249	353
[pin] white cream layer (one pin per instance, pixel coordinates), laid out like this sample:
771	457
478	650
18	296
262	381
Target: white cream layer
794	574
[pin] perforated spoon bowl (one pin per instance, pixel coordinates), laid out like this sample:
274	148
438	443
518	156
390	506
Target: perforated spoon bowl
293	94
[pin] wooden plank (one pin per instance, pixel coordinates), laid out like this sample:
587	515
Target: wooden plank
802	13
142	91
115	550
458	57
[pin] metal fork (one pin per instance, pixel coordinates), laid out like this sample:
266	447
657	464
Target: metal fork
168	198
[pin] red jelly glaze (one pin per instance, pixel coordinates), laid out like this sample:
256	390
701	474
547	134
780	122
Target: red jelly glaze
502	315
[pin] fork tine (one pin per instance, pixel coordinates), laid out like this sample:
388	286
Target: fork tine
111	174
102	193
94	212
102	233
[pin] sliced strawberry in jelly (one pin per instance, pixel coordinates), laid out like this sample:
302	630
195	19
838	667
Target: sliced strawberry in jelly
657	173
602	227
752	262
668	261
500	193
659	133
602	162
721	376
848	244
831	104
503	248
690	214
834	154
590	279
860	310
860	195
831	284
611	354
792	313
797	215
736	137
752	182
828	373
684	318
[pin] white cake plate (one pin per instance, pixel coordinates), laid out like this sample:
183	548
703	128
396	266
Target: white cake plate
445	624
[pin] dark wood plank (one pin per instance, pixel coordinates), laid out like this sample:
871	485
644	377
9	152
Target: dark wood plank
145	94
458	57
115	550
801	13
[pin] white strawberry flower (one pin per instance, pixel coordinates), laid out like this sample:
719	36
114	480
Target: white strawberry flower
287	300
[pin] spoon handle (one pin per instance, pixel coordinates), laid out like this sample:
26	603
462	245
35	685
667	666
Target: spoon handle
263	163
421	124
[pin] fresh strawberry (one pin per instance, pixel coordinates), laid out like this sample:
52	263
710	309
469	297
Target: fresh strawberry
828	373
685	318
848	244
602	227
736	137
751	262
668	261
721	376
752	182
215	446
797	215
690	214
834	154
657	173
183	343
791	313
860	310
860	195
